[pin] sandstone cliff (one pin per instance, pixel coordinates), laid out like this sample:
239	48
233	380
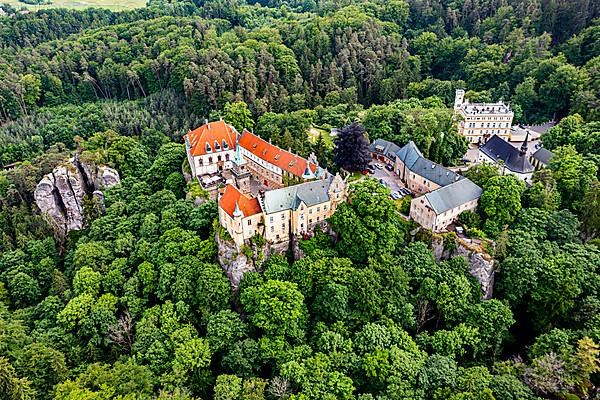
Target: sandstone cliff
482	265
60	194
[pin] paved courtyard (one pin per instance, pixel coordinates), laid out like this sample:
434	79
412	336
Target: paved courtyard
389	177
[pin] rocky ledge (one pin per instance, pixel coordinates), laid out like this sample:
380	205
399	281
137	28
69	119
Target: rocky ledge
60	194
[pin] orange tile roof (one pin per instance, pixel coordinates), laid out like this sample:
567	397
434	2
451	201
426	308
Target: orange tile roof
247	205
285	160
217	131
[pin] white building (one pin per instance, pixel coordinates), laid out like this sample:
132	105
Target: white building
211	148
508	158
480	121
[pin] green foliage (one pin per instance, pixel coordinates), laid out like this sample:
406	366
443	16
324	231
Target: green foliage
500	202
136	306
277	308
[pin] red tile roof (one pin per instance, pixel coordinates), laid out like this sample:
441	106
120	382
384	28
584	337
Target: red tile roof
210	133
247	205
285	160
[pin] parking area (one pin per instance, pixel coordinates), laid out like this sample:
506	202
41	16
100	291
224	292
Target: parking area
389	177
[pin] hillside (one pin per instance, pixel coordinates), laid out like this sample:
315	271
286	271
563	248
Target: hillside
137	305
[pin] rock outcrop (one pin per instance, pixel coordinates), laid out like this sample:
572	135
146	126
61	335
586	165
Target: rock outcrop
60	194
237	262
481	265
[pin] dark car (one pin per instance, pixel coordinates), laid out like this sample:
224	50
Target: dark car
389	167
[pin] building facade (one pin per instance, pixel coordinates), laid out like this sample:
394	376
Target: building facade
439	208
273	166
240	215
442	194
210	148
383	151
479	121
280	214
419	174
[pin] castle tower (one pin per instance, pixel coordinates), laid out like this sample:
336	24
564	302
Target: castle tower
459	98
241	175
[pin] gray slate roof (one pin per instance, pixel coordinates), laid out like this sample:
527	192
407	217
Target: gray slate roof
415	162
289	198
409	154
497	149
384	147
453	195
435	172
543	155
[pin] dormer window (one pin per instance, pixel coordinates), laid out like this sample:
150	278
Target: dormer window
217	146
254	146
277	156
208	148
225	145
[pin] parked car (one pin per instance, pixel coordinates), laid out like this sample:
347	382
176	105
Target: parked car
382	182
378	166
396	195
404	191
389	167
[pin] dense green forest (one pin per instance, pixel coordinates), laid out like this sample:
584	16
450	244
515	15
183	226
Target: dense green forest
136	306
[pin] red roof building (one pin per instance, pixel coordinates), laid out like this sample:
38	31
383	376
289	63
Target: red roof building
211	137
233	198
289	162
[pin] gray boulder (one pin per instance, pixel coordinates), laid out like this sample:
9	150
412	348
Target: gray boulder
59	195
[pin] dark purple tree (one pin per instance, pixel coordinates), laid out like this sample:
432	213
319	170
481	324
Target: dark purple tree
351	148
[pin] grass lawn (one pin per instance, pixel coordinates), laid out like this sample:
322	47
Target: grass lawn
114	5
313	136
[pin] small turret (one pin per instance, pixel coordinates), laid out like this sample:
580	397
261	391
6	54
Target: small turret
308	173
237	212
523	150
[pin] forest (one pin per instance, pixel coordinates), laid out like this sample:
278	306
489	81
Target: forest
136	305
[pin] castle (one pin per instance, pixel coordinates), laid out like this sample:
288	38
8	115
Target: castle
482	120
261	188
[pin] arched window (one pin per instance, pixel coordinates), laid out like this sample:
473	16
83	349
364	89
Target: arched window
210	160
226	157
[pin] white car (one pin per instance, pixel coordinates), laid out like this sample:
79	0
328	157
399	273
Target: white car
396	195
378	166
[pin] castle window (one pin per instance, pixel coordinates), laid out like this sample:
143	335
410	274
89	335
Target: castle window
249	222
271	218
200	161
310	211
219	158
226	157
325	207
282	217
210	160
272	229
